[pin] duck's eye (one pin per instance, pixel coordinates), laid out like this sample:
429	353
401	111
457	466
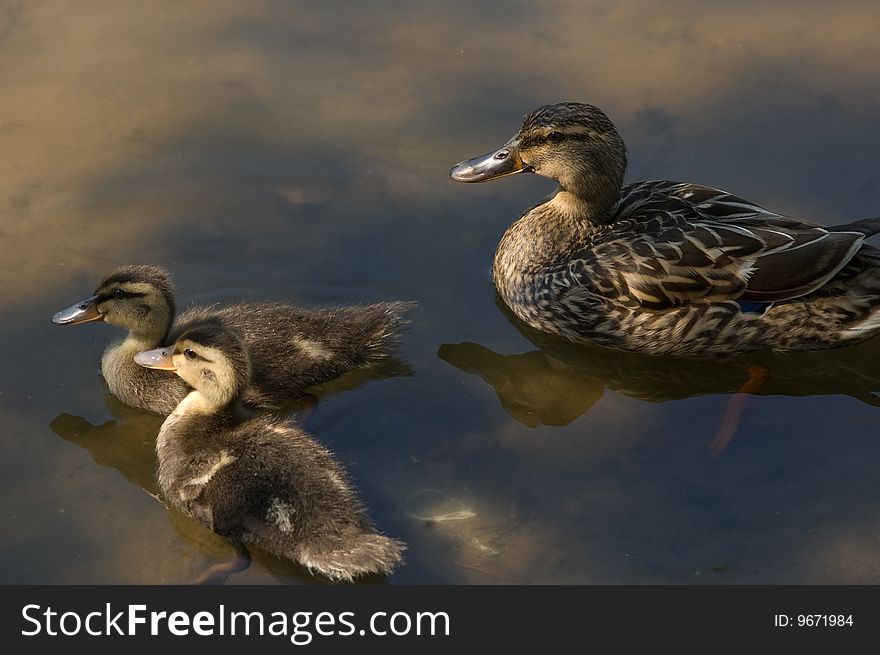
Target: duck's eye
190	354
119	294
555	136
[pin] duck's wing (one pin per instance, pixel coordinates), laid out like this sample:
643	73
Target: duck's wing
667	250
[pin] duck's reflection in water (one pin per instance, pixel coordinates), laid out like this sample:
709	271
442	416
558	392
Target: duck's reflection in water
560	381
127	443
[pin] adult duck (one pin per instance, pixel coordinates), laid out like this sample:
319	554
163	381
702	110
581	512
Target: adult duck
668	268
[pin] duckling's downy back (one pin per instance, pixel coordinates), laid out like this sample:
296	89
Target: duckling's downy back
292	348
268	483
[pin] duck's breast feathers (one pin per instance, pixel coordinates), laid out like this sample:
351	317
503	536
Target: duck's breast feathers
671	244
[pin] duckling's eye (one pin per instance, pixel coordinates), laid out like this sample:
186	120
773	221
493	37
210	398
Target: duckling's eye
190	354
555	136
119	294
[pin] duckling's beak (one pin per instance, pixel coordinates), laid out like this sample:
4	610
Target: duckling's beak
499	163
81	312
159	358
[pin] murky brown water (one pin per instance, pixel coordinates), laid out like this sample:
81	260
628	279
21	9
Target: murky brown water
300	151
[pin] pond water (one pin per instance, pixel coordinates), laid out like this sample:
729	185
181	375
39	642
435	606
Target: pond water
300	151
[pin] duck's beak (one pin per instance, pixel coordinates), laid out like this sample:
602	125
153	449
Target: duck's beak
499	163
81	312
159	358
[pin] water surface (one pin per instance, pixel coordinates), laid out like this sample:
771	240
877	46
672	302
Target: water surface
300	151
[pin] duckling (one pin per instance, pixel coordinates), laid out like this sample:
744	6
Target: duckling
256	479
291	348
668	268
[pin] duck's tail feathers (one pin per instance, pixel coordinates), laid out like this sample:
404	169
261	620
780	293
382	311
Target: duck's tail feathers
366	553
388	325
867	226
862	330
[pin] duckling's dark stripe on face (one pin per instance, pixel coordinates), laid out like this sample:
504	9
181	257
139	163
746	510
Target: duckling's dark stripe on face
215	338
196	356
103	297
128	277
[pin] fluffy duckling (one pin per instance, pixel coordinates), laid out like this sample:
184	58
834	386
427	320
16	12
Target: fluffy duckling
257	480
290	348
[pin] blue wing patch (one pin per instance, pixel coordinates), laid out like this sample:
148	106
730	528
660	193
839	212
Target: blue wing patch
753	306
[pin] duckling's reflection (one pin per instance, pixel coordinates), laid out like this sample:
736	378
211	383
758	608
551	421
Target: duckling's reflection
127	443
560	381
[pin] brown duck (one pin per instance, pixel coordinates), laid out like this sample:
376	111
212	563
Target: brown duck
668	268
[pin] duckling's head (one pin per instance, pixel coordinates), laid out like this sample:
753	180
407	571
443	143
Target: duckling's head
210	358
573	143
139	299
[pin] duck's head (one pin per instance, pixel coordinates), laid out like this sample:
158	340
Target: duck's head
572	143
209	358
139	299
